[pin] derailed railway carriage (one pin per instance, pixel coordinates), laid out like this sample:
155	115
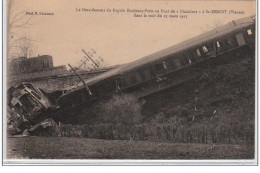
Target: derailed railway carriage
162	69
158	71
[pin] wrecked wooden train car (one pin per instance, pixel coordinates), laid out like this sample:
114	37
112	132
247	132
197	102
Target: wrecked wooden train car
28	106
162	69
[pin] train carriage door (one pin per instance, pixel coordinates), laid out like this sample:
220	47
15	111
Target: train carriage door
240	39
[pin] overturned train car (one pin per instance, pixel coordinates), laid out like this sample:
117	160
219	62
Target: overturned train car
28	106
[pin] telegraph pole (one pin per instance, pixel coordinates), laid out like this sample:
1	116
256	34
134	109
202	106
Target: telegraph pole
89	57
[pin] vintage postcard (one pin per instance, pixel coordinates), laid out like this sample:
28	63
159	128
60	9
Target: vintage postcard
127	82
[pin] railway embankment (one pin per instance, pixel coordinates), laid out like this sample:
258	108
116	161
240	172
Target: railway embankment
216	107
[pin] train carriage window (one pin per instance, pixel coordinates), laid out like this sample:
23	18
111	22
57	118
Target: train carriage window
249	32
233	41
204	48
191	57
172	63
164	65
210	49
211	46
198	52
183	61
160	68
194	54
207	48
240	39
218	44
187	58
249	35
226	43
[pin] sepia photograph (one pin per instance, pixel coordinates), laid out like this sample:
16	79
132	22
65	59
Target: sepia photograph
110	82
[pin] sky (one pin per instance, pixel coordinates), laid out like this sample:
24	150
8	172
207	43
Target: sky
117	37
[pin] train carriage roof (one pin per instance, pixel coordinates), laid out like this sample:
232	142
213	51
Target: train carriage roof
217	32
103	76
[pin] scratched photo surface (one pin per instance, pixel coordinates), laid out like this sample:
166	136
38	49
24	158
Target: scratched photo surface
150	79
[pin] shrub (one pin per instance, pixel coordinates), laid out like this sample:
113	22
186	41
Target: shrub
121	109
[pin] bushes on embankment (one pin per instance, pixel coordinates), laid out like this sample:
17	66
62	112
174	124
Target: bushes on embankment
121	119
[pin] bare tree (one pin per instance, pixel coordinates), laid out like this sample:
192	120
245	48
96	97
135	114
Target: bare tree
16	21
25	47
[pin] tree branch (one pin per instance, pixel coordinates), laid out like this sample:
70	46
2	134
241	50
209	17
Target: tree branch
21	25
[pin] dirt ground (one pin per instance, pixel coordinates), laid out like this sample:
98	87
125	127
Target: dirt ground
85	148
